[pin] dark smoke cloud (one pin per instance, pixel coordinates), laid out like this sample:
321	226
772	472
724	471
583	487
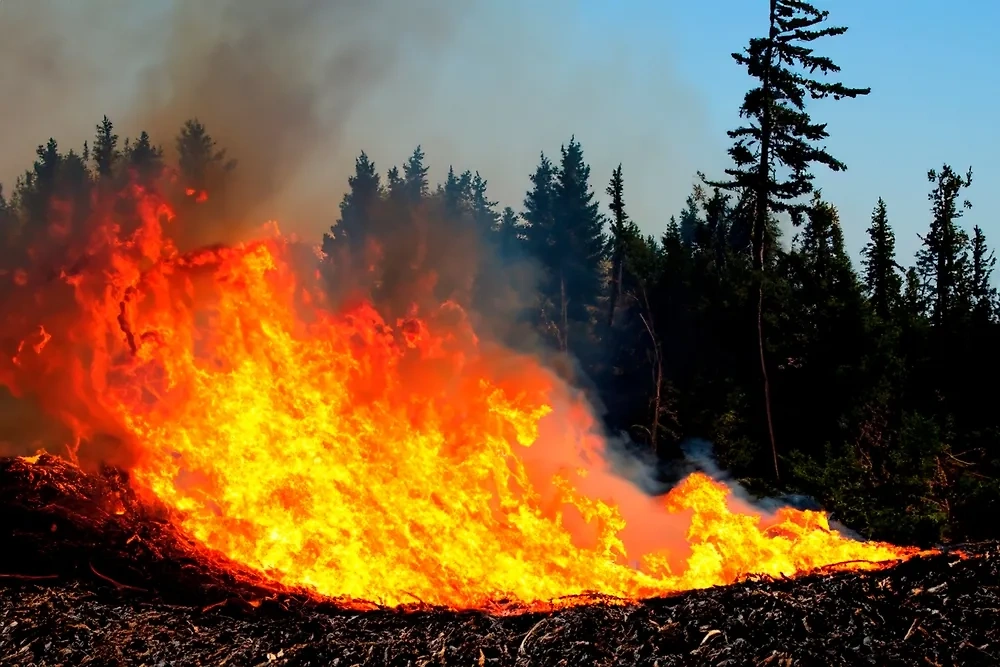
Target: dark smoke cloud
274	82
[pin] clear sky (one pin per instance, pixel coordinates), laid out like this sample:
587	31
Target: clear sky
488	84
934	70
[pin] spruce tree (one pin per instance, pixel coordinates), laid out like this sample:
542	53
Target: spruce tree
358	204
619	230
579	240
717	225
565	235
828	332
145	159
943	260
199	159
484	214
105	149
914	302
882	280
539	216
539	209
456	192
415	176
984	295
773	154
396	191
509	231
691	225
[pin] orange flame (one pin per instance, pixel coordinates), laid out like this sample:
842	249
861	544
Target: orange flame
199	195
375	460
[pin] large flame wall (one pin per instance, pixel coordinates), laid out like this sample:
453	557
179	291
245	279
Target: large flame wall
387	461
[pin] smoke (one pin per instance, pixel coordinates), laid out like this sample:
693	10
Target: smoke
274	83
295	90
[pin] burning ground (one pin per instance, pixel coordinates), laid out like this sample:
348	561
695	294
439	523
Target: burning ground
293	452
94	576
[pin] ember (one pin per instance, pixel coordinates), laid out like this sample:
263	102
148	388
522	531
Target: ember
362	458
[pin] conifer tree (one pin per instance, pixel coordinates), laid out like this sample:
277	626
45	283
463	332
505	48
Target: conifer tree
395	186
356	207
883	282
579	240
691	225
145	159
565	235
984	295
914	302
484	215
716	233
456	192
539	208
773	154
510	232
415	176
199	159
943	260
619	223
105	149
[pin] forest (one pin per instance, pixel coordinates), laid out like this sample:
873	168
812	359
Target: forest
862	382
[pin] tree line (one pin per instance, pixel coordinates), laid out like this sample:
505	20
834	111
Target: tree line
865	384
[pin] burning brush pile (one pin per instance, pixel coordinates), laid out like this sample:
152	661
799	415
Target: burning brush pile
300	479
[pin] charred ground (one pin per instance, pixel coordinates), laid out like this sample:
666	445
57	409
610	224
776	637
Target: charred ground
92	575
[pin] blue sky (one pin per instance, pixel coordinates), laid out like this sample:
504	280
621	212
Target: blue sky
935	90
487	85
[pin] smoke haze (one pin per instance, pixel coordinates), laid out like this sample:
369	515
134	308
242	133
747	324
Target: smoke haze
294	91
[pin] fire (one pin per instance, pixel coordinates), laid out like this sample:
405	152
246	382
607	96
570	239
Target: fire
362	458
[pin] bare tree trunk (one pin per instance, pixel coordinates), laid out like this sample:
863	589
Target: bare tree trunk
617	272
563	314
763	370
658	374
760	232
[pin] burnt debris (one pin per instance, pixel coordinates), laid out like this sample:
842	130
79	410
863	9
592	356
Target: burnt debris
89	574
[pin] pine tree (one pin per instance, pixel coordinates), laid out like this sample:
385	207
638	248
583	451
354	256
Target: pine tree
984	295
105	150
943	260
619	229
782	136
883	282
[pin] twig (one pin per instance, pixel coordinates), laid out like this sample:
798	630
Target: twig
29	577
116	584
830	566
531	632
